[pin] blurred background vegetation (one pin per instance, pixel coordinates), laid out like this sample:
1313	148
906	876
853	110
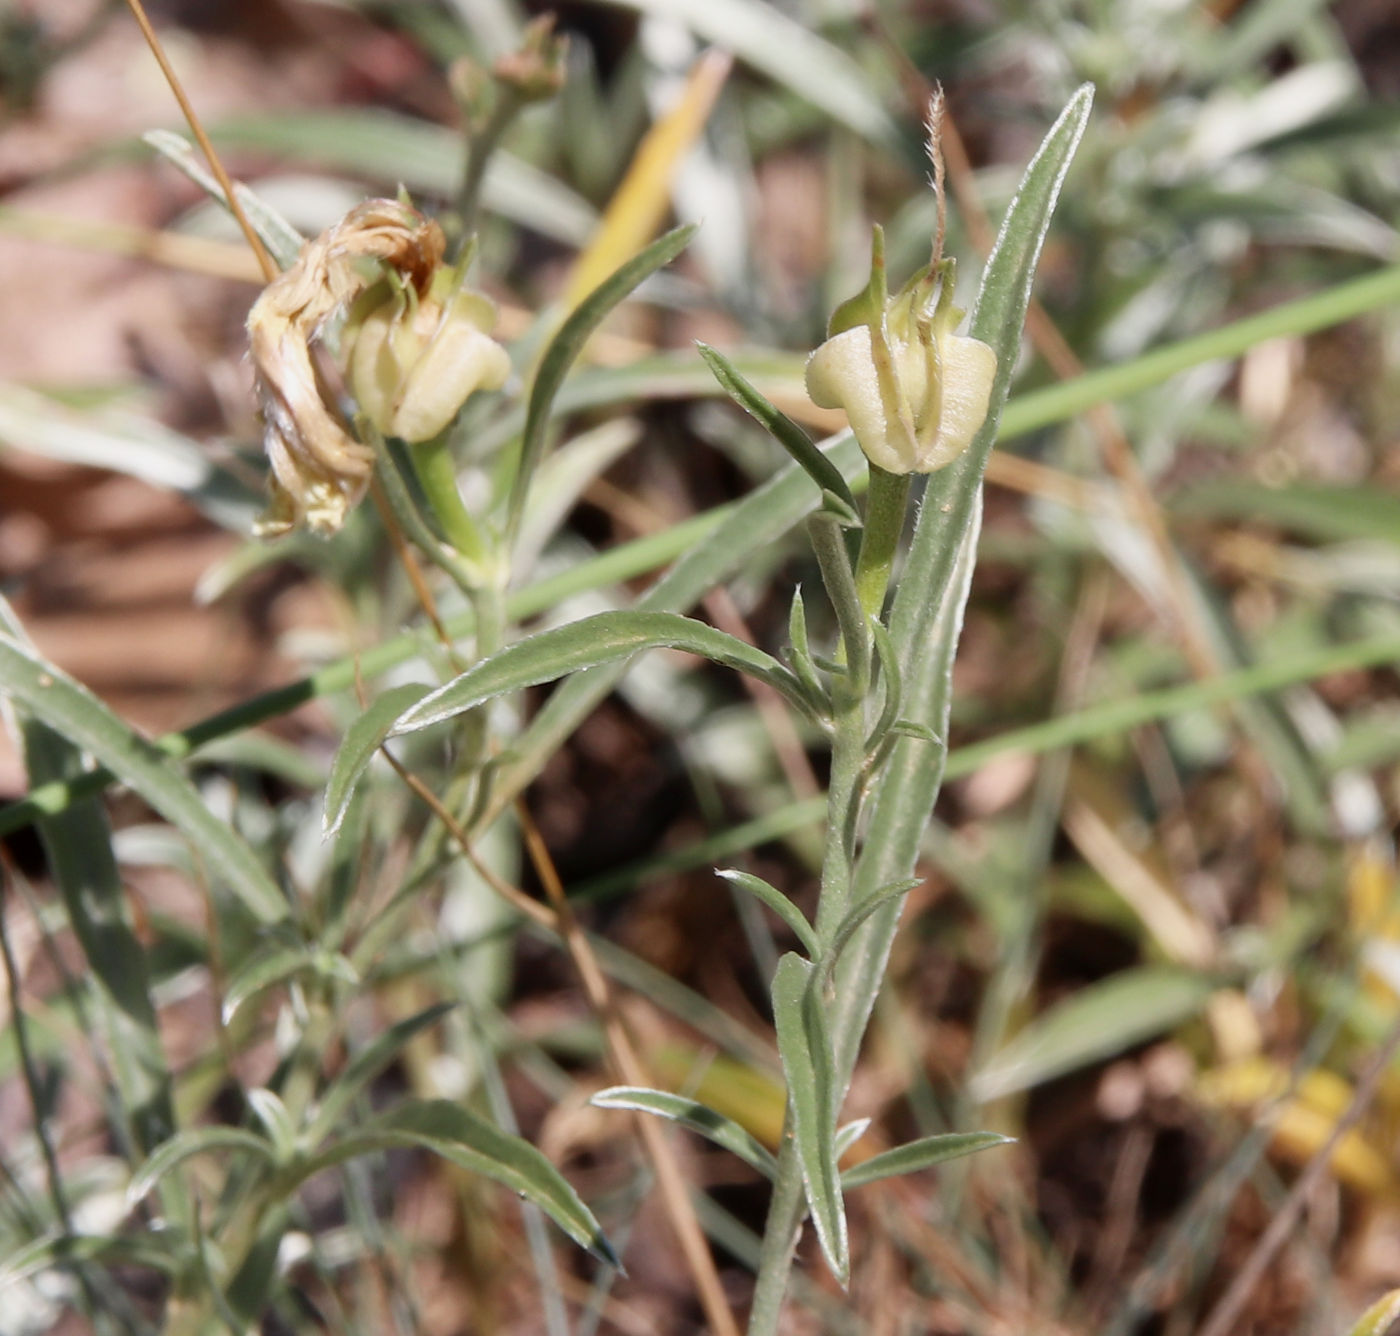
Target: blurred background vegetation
1162	949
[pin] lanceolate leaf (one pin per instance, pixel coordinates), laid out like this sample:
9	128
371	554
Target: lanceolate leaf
164	1251
447	1129
849	925
568	343
691	1113
585	644
197	1141
275	963
72	710
781	427
920	1155
365	1066
282	240
778	903
806	1053
362	739
79	847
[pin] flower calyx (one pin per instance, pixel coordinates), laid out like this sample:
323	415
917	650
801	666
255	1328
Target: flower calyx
915	392
414	358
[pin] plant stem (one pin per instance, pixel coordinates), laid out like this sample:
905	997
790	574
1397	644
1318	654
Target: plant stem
480	146
780	1236
884	523
849	695
437	475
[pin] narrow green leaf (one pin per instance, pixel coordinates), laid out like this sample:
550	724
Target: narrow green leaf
72	710
806	1053
764	36
282	240
362	739
846	929
1380	1318
163	1251
778	903
590	641
276	1119
196	1141
724	1132
892	686
565	347
1097	1022
920	1154
800	654
250	1290
365	1066
79	847
131	443
390	149
829	544
847	1136
448	1130
268	964
781	427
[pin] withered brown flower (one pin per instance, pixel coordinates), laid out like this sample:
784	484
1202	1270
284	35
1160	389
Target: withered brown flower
319	472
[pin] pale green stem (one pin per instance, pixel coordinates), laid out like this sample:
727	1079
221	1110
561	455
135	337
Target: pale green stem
780	1235
884	524
480	146
437	475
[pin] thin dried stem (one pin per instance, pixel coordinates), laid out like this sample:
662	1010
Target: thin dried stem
630	1069
1225	1317
265	261
558	918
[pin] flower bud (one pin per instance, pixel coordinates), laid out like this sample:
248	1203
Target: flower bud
915	392
537	70
416	360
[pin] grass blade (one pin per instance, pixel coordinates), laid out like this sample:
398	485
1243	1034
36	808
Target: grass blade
73	711
1380	1317
1097	1022
79	847
763	36
389	149
565	347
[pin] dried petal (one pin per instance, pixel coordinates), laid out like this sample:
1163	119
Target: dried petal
319	471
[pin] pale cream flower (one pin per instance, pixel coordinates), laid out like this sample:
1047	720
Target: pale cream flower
925	408
415	361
